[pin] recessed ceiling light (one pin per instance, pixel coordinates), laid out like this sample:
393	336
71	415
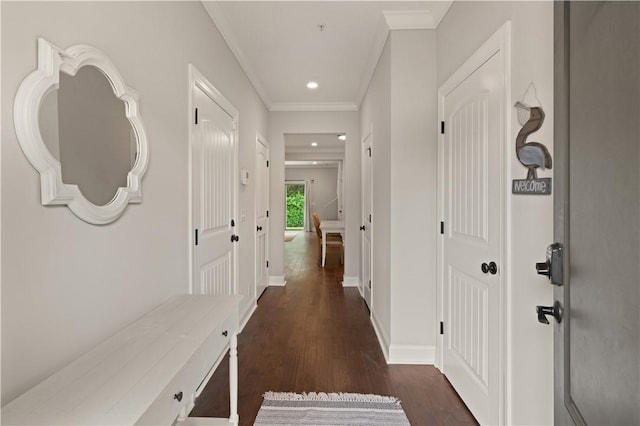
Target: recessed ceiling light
312	85
314	143
342	137
315	162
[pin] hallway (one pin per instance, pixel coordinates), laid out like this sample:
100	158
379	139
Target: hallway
313	335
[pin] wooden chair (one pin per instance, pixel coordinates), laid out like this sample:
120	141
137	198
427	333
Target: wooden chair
333	240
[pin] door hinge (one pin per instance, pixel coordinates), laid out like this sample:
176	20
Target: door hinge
441	327
267	163
196	237
442	227
369	284
369	218
267	213
196	115
233	223
442	127
369	151
267	263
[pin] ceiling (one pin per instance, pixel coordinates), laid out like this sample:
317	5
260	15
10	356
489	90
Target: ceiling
281	45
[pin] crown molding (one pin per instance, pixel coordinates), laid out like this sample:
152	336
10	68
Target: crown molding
216	15
313	107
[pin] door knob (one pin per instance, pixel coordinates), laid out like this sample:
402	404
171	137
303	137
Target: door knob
362	228
258	228
490	267
555	311
235	238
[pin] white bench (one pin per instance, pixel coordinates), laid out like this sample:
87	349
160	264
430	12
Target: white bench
149	373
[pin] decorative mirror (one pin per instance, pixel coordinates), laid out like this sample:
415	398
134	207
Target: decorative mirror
77	122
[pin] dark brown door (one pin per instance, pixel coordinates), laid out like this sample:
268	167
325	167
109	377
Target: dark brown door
597	214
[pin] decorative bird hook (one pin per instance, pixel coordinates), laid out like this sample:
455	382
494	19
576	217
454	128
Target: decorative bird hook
532	155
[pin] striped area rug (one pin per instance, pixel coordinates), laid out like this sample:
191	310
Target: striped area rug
335	409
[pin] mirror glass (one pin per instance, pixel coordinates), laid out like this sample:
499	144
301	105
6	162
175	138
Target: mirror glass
85	127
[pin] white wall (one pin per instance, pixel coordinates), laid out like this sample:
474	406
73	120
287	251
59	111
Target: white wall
321	191
281	123
404	194
67	285
530	358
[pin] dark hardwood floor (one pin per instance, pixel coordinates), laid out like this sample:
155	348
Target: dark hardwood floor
313	335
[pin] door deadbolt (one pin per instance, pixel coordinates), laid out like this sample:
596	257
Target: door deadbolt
552	267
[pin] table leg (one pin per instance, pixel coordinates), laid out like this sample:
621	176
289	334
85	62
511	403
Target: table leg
324	246
233	380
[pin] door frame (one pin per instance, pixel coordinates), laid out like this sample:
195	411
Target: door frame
499	42
197	79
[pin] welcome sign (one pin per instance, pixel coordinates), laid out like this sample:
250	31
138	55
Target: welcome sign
541	186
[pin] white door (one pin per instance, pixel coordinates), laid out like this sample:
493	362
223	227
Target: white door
262	216
213	168
472	108
365	227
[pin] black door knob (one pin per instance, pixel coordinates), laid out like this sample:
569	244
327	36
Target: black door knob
237	238
258	228
555	311
362	228
489	268
234	238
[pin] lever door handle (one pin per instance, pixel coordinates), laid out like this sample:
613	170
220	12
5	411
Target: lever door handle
555	311
362	228
258	228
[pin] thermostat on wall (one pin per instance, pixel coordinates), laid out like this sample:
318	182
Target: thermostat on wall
244	176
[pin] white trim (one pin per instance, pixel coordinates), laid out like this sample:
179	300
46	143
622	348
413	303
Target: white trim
313	107
197	79
52	61
383	339
499	42
350	281
380	40
277	281
412	354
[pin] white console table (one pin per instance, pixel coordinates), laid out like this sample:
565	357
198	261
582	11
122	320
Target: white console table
148	373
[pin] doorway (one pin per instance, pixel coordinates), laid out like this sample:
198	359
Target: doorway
295	205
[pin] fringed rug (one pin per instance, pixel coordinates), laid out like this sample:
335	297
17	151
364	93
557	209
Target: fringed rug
330	409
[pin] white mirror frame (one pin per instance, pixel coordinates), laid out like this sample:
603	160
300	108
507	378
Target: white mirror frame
26	110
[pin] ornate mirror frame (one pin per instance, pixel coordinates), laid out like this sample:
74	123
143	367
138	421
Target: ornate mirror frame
51	61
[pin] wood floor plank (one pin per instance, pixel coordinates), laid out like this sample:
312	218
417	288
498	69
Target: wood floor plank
313	335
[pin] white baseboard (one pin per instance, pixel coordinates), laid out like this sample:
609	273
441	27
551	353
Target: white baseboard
244	318
350	281
277	281
383	339
412	354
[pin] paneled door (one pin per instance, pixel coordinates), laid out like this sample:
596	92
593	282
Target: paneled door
472	106
213	181
262	216
365	227
597	213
